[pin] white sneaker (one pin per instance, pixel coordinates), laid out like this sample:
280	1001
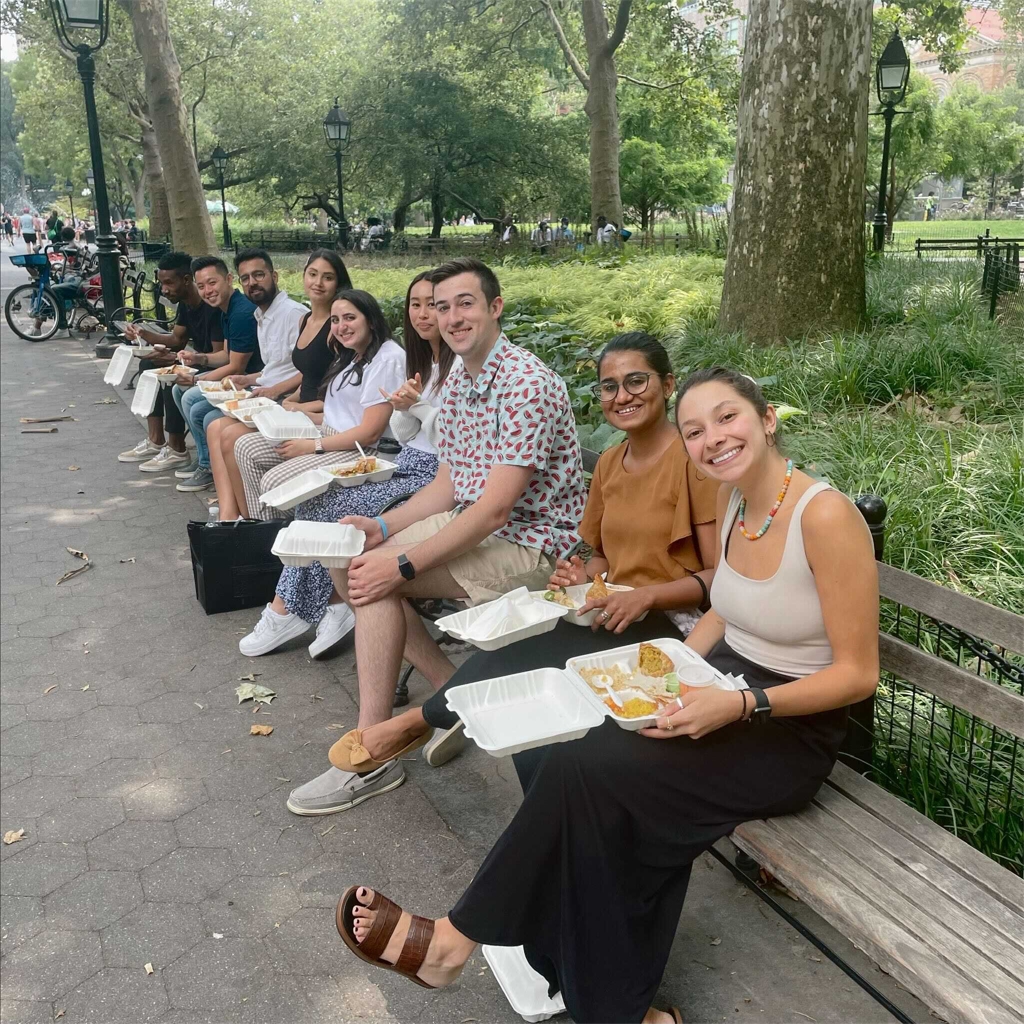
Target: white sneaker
339	620
142	452
167	459
271	632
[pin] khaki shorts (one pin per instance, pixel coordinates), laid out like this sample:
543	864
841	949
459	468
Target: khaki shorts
493	568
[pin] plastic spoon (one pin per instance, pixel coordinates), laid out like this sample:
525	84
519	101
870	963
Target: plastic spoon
611	693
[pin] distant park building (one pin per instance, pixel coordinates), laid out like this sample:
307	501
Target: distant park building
989	61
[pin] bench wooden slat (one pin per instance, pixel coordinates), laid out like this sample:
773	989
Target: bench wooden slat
997	625
820	874
951	922
994	703
932	870
1000	883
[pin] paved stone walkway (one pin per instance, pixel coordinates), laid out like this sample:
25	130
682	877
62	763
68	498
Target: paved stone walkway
155	825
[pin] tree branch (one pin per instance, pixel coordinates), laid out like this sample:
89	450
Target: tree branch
682	81
621	24
570	57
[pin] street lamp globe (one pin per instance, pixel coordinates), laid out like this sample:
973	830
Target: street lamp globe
893	71
219	159
81	13
90	178
68	185
336	126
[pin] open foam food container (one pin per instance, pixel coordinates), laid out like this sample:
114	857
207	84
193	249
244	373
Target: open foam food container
331	544
297	490
673	647
578	594
218	398
248	406
531	709
460	623
279	424
385	471
525	989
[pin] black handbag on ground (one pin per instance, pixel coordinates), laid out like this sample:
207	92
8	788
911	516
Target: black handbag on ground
232	563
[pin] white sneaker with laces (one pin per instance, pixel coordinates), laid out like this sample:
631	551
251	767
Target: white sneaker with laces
339	620
271	632
142	452
167	459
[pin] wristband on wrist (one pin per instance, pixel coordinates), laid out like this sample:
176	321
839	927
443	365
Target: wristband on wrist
743	713
384	530
705	601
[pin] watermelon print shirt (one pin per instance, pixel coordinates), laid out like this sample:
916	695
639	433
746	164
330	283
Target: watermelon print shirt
516	413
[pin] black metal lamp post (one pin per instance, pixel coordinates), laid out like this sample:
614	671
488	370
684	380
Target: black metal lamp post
69	17
336	126
70	188
891	76
220	162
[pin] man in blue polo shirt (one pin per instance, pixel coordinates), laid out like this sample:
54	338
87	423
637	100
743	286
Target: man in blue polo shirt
240	355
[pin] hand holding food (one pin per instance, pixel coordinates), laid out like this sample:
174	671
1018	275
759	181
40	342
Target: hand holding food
705	709
131	332
568	574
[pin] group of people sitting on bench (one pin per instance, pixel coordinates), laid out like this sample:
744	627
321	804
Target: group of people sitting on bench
768	573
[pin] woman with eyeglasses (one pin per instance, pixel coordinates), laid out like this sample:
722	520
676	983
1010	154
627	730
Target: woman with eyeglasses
650	523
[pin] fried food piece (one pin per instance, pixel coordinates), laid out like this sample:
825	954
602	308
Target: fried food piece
233	404
635	707
597	589
654	662
559	597
360	466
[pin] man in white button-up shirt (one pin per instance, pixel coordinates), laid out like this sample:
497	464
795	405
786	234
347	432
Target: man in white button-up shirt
278	322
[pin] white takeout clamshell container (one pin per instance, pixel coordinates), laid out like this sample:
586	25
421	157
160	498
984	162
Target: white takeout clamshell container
169	379
142	351
579	595
331	544
531	709
247	407
279	424
525	989
303	487
384	471
218	398
119	367
460	623
144	399
150	325
513	713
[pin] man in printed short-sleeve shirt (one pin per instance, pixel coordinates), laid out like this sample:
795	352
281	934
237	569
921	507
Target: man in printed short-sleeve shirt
505	504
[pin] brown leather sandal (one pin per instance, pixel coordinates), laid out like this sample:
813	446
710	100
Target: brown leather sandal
414	951
350	755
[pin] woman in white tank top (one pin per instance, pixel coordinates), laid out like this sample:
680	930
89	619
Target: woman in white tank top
591	874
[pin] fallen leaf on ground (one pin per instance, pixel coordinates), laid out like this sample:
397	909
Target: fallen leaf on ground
716	942
72	573
254	692
14	837
106	401
149	968
58	1014
281	778
260	730
49	689
78	554
198	705
74	469
315	696
124	561
251	677
86	687
331	829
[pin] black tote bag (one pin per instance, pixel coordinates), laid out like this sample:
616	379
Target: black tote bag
232	564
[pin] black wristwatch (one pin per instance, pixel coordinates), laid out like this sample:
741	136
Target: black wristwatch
762	708
406	568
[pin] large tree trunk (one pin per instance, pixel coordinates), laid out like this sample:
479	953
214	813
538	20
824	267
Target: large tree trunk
602	112
159	214
436	211
796	241
191	228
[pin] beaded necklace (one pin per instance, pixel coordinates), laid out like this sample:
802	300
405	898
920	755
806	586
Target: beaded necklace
775	508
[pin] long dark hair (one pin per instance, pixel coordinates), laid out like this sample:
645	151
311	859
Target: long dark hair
647	345
746	387
337	264
351	369
419	356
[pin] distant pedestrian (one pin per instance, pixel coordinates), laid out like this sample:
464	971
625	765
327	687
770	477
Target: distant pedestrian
541	236
27	223
8	229
564	233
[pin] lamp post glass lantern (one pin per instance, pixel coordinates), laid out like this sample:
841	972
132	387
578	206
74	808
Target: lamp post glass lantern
336	126
219	159
891	77
71	20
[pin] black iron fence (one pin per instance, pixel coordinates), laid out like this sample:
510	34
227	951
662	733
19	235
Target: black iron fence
1001	283
955	768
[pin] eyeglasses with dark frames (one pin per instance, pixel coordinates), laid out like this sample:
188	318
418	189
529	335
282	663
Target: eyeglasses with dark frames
634	384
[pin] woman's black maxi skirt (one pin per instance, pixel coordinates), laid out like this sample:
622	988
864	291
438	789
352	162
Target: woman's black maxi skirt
591	873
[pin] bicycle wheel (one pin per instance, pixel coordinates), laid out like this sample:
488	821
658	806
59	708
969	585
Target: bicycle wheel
30	315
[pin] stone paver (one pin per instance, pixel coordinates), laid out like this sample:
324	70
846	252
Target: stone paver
156	830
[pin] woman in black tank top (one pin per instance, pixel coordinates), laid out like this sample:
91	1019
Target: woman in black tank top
312	361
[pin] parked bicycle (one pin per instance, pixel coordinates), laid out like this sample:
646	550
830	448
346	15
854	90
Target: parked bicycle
57	299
